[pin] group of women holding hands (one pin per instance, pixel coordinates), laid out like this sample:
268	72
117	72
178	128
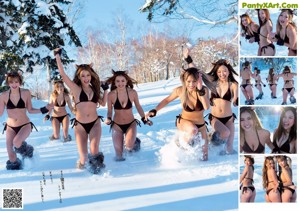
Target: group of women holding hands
276	179
262	32
287	76
88	93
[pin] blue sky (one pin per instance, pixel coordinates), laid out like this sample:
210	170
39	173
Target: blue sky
99	14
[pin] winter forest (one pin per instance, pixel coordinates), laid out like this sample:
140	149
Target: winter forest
147	39
30	30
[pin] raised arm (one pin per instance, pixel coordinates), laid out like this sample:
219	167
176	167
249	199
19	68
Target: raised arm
61	70
187	57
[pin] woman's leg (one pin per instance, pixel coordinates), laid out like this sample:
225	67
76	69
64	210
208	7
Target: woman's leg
95	135
188	129
81	140
10	134
130	136
65	126
56	128
229	145
118	141
249	91
252	198
284	95
245	93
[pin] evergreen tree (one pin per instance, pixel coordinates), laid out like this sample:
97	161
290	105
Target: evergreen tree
30	30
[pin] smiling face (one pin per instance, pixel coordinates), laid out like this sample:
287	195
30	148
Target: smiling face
120	82
288	120
85	77
284	18
247	122
262	15
59	87
248	161
245	21
282	162
270	164
14	83
191	83
223	73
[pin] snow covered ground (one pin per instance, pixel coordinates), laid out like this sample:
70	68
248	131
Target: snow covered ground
264	68
159	177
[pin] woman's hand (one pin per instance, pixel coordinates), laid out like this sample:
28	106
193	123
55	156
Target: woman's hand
199	82
108	121
186	52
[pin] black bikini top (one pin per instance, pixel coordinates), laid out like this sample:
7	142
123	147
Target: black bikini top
198	107
20	104
62	105
118	106
285	148
227	96
260	148
84	98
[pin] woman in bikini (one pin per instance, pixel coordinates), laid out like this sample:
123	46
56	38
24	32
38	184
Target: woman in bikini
60	98
120	100
286	32
249	29
285	135
87	97
272	81
286	179
246	86
288	87
266	47
221	117
258	83
253	137
270	181
247	188
18	126
194	100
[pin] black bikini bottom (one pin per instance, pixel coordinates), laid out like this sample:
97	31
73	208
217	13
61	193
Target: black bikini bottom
265	47
224	120
245	85
288	89
87	126
59	118
197	125
18	128
125	127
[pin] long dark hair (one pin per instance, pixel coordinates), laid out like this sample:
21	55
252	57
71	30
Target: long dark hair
267	17
66	91
95	80
217	65
271	74
112	79
244	28
280	130
290	17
